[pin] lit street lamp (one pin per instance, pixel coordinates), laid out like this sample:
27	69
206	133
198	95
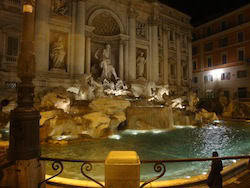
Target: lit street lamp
24	125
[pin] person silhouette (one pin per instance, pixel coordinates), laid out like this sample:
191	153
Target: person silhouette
215	179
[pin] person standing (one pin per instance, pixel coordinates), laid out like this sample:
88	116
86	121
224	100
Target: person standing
215	179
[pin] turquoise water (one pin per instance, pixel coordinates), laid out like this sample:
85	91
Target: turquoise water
228	139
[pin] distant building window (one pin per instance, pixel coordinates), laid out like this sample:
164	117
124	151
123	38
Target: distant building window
208	78
208	46
240	18
223	25
226	76
210	94
224	58
241	55
10	85
240	37
194	36
209	62
194	65
12	46
242	92
242	74
195	80
223	42
194	50
208	31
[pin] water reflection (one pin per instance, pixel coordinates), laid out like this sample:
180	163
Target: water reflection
184	142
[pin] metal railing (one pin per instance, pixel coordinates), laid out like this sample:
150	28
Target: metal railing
159	166
57	165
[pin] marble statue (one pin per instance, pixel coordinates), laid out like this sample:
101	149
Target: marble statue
60	7
57	54
140	65
146	91
160	92
105	63
192	101
89	88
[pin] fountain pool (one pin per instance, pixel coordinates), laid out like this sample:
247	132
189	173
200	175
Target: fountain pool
228	138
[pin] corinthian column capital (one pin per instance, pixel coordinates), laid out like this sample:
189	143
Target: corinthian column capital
132	13
154	21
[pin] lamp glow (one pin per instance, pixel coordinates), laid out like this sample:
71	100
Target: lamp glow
27	8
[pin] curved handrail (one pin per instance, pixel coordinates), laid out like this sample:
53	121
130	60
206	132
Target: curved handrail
159	166
55	165
87	164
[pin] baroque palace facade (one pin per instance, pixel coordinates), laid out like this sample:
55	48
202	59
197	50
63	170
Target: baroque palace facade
148	41
221	55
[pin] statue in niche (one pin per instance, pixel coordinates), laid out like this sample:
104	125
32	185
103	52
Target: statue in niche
57	54
60	7
140	65
105	63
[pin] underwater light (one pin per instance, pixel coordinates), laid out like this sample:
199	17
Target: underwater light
115	137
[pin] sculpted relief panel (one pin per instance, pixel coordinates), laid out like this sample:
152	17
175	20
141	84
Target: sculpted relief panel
141	30
60	7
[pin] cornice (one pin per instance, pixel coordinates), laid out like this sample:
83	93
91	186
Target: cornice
223	33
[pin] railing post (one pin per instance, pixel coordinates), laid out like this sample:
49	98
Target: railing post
122	170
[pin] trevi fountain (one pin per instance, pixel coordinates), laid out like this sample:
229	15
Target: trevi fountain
121	81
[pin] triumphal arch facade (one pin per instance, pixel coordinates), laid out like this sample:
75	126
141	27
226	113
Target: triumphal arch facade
137	41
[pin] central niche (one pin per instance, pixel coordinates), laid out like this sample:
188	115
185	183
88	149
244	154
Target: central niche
105	25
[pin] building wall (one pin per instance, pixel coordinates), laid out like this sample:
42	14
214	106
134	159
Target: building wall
163	33
232	64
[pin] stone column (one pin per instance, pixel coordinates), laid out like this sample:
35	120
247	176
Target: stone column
202	65
132	45
88	52
80	38
190	61
42	35
178	61
24	140
154	49
126	66
165	48
72	40
121	59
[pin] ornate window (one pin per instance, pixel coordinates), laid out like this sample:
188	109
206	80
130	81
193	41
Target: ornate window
11	45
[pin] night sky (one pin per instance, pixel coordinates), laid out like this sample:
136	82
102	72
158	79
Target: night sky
204	10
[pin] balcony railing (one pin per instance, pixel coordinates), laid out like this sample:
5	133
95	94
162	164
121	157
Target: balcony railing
9	59
159	166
